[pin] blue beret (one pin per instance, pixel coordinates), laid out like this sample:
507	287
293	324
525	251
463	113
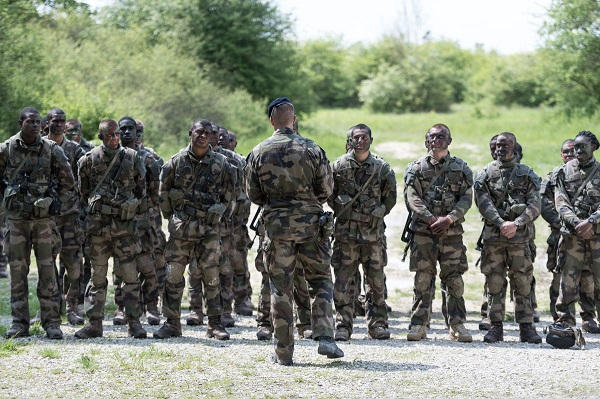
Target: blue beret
276	103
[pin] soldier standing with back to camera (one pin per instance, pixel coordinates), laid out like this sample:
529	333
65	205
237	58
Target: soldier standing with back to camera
112	184
290	177
577	198
37	179
364	192
439	194
508	198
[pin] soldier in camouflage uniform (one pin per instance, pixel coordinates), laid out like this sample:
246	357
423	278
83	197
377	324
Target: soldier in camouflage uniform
439	193
577	198
112	184
68	222
145	226
37	179
549	213
74	132
290	177
509	200
197	187
3	235
364	192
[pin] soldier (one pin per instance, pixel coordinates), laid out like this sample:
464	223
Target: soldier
439	193
290	177
74	132
37	179
364	192
112	184
145	230
68	222
196	190
577	197
509	200
3	235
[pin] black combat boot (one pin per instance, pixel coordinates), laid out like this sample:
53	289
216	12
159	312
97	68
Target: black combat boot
215	329
590	326
17	331
264	333
54	332
195	318
227	320
91	330
328	347
135	329
495	334
170	329
120	319
528	334
73	316
244	308
152	314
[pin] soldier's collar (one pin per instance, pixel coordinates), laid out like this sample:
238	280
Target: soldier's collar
434	161
194	158
367	161
109	151
21	142
590	163
507	164
287	130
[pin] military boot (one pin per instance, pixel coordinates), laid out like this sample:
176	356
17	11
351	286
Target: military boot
417	333
244	308
459	333
17	331
73	316
195	318
93	329
590	326
359	308
484	324
379	332
328	347
152	314
54	332
135	329
495	334
227	320
170	329
264	333
528	334
284	362
3	271
342	334
120	319
305	333
216	330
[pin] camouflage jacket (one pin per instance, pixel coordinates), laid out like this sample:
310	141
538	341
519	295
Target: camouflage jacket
435	189
290	177
196	193
549	212
363	219
73	151
34	176
508	191
119	194
237	164
154	155
86	146
152	177
574	208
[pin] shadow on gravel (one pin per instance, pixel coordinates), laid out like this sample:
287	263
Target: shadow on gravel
370	365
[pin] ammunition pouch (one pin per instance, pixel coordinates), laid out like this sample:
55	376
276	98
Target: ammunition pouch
41	207
143	206
129	209
341	201
191	212
9	199
564	337
176	197
215	213
95	203
377	215
326	225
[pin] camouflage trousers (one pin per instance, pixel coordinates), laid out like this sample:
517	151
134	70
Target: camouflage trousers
576	258
3	243
347	255
239	262
195	289
71	257
160	263
117	241
497	260
23	236
145	263
86	272
300	293
356	287
203	253
281	259
226	272
425	252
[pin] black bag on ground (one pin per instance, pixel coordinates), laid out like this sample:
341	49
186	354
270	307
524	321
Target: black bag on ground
564	337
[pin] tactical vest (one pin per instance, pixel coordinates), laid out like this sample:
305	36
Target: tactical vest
441	191
511	205
588	200
119	185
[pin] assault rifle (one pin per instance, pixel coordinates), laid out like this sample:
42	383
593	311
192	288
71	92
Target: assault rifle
254	224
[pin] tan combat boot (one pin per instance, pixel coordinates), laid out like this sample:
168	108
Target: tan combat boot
417	333
195	318
91	330
170	329
135	329
120	319
264	333
379	332
216	330
459	333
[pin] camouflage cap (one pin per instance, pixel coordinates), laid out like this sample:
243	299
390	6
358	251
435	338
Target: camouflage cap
276	103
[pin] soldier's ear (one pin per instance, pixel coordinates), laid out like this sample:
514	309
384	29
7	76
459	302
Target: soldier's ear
100	136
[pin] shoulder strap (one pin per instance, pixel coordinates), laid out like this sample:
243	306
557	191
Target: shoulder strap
587	179
361	190
20	166
110	166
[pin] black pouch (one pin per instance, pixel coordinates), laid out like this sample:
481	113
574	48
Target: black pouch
564	337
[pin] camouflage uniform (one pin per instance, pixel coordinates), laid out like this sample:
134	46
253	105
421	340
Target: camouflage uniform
436	189
520	203
359	235
194	194
110	223
86	146
86	272
3	251
290	177
34	176
576	254
68	224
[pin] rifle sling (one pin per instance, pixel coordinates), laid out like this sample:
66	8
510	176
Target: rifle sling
587	180
110	167
360	191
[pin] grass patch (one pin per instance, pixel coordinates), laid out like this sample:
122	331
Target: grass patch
36	328
3	330
88	363
10	347
50	353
